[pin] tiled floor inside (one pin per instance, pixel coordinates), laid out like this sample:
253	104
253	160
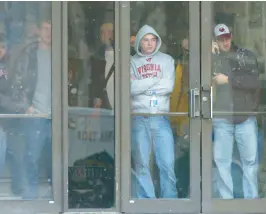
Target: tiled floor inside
45	190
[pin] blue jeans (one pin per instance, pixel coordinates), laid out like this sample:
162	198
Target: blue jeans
37	134
15	145
245	135
156	130
2	149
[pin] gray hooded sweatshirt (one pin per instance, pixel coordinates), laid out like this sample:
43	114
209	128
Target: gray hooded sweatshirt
155	72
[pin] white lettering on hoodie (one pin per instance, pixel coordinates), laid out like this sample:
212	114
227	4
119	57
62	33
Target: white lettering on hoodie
155	72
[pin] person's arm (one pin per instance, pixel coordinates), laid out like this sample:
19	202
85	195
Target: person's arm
166	84
98	87
140	86
98	71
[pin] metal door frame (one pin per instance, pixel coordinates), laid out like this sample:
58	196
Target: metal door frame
45	206
189	205
210	205
118	102
200	31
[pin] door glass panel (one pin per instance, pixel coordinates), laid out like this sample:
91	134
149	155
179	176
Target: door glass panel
91	100
159	85
238	80
25	107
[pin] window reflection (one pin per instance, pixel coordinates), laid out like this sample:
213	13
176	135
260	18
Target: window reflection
91	125
25	65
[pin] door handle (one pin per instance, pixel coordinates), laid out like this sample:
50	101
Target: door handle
194	110
207	102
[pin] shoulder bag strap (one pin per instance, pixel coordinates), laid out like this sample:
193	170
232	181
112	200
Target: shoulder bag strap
111	71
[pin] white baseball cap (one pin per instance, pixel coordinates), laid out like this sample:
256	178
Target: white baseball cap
221	30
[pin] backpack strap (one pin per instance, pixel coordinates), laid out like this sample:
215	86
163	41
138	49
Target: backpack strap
111	71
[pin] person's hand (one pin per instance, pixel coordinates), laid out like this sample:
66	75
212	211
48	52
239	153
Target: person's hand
185	44
215	48
221	79
30	110
97	106
97	103
132	41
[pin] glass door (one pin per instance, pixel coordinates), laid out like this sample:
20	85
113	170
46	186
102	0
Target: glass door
233	106
91	66
30	116
161	126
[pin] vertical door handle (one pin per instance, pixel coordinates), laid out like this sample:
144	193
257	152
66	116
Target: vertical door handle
194	110
207	102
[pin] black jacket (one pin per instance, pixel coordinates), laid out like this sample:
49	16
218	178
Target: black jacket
5	73
98	64
22	81
241	94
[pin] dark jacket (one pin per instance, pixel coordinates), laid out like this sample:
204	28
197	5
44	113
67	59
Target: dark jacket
22	81
241	94
4	75
4	80
98	64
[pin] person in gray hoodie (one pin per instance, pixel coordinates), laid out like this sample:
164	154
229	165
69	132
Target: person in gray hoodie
152	75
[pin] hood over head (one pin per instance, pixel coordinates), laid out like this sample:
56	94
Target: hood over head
146	29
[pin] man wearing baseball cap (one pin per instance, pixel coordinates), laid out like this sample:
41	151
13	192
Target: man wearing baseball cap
223	37
236	78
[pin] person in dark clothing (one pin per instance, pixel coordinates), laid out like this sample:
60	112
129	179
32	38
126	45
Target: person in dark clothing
236	82
101	65
16	101
10	132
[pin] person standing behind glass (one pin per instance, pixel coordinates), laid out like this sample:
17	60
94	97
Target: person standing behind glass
236	78
152	72
101	64
31	88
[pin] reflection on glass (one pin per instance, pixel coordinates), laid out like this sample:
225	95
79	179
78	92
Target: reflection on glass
91	126
25	75
237	134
